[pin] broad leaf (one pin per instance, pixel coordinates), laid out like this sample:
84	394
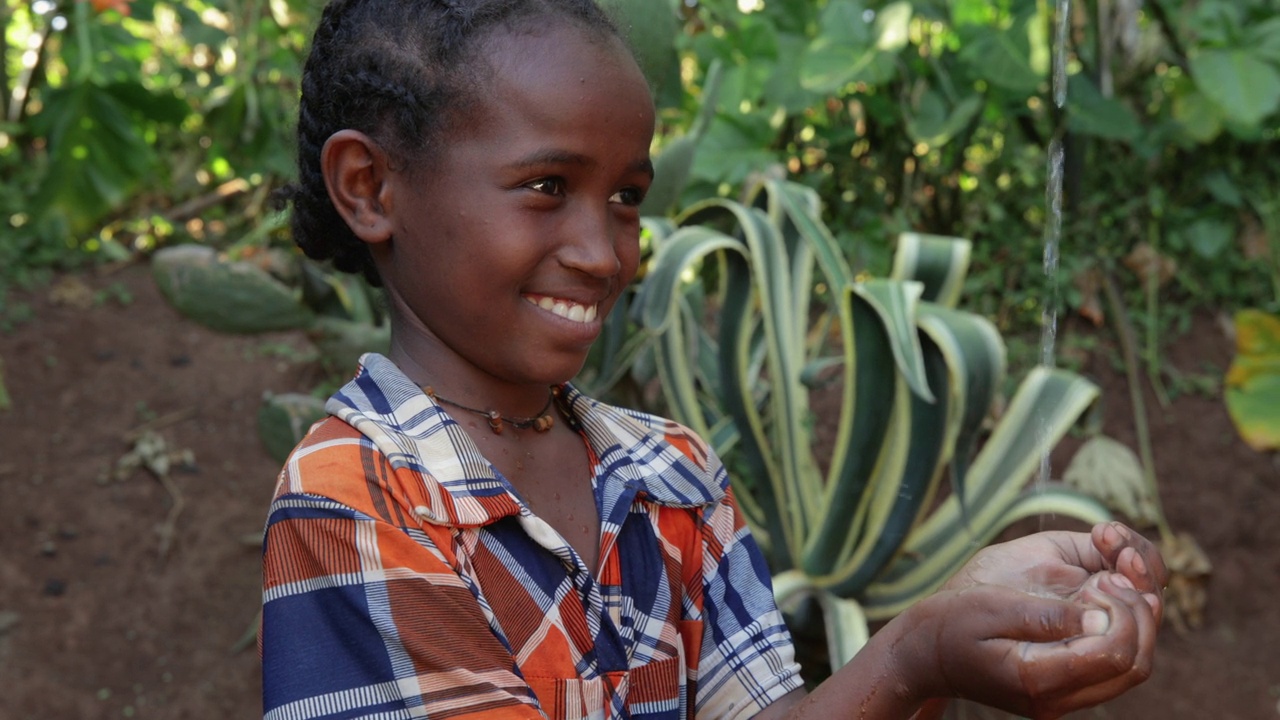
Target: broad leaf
1111	471
284	419
234	297
1243	85
1253	380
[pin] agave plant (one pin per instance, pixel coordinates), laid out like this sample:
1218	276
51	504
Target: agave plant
867	536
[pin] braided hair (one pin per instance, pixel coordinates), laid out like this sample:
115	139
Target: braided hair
398	71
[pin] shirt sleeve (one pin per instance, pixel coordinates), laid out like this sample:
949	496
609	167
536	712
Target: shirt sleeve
747	659
362	618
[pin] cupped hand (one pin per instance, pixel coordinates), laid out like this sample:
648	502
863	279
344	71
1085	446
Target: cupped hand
1037	655
1059	564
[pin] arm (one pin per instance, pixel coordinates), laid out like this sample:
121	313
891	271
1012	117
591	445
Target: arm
1040	626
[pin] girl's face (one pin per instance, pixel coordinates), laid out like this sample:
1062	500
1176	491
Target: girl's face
511	246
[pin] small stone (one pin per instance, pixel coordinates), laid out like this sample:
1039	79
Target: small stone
54	587
49	548
104	693
182	360
68	532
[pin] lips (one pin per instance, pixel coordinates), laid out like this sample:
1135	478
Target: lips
567	309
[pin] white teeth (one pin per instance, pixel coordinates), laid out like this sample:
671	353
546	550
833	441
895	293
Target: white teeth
568	311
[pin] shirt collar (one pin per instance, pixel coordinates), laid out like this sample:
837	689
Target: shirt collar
652	458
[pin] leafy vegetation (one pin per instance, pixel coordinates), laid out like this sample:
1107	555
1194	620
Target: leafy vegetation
729	301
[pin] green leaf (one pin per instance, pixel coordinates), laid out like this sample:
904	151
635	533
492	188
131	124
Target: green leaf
845	51
893	24
1209	237
1243	85
1253	380
1047	403
934	124
283	420
938	262
342	342
1002	57
651	27
1223	190
1200	118
675	163
783	87
1111	472
1264	38
1093	114
734	148
97	155
226	296
844	622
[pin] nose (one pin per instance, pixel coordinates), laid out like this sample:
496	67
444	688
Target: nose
590	244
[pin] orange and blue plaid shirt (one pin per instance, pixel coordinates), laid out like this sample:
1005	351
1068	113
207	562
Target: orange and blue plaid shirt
405	578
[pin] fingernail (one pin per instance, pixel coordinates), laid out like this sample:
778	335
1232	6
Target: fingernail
1122	581
1139	565
1095	622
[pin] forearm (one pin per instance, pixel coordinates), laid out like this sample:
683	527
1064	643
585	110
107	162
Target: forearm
879	683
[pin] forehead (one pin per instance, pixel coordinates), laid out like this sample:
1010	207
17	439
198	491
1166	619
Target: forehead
560	79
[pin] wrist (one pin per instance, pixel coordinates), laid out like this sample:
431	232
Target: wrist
916	654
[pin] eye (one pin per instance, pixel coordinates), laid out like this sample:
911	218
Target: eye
631	196
547	185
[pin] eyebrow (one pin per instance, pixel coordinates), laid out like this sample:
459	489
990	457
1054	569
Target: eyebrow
542	158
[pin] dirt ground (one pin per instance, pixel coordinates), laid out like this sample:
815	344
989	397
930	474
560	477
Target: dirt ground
95	623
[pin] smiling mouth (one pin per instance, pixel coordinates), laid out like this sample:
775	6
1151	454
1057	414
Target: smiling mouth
566	309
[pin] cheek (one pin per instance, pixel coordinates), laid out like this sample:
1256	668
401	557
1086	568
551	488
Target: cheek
628	251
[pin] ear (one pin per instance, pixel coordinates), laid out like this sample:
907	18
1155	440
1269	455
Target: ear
357	174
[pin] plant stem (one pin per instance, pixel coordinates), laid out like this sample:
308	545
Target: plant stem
1129	352
1153	317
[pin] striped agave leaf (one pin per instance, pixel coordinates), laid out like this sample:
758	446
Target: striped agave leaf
918	379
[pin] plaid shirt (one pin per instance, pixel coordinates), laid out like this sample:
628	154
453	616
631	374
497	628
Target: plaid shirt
405	578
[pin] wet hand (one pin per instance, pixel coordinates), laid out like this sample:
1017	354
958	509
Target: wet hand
1059	564
1036	655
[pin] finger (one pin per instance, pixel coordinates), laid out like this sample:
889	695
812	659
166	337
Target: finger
1141	666
1098	654
1130	553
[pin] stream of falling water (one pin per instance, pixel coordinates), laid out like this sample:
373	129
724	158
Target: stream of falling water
1053	220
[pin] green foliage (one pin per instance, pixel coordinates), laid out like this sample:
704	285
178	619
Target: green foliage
123	124
915	377
284	419
935	117
278	292
1253	381
237	297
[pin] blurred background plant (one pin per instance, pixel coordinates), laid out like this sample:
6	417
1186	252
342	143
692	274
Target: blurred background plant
133	124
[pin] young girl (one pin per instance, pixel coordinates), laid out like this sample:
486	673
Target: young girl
468	536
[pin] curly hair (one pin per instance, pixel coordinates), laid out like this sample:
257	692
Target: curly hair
399	71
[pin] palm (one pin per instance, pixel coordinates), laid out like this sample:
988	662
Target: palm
1057	564
1043	564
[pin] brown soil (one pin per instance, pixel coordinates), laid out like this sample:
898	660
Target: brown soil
94	623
